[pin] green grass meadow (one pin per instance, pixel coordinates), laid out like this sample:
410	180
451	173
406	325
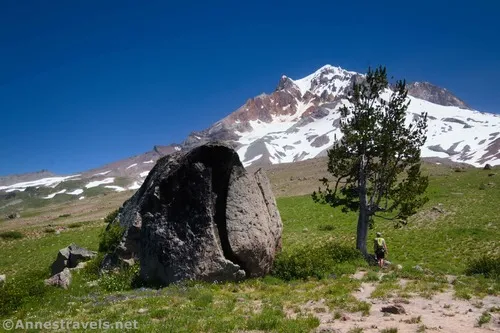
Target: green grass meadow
460	224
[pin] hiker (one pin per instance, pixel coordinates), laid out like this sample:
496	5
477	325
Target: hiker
380	249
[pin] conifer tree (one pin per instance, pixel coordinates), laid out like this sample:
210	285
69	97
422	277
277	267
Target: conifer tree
376	163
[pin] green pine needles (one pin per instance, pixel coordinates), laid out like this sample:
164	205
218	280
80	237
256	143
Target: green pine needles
376	163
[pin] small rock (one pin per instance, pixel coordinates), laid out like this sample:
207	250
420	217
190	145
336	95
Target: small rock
345	318
240	299
470	310
438	209
79	266
61	279
142	310
93	283
491	174
418	268
399	267
2	279
58	232
61	261
451	279
79	254
305	230
71	257
394	309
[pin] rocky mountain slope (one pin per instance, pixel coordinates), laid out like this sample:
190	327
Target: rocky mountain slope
297	121
301	119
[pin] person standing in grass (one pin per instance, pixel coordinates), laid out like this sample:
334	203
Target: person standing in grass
380	248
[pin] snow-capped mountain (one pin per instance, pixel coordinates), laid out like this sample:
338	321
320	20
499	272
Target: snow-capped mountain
119	176
297	121
301	118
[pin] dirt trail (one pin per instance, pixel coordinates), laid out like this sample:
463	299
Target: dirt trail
442	313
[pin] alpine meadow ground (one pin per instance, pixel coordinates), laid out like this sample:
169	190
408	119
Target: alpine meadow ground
453	237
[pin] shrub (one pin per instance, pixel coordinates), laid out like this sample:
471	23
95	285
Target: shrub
355	330
317	261
111	216
10	235
64	215
93	267
124	279
326	227
484	319
79	224
21	290
390	330
489	266
111	237
49	230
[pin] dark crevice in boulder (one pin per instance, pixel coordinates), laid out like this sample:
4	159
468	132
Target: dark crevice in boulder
221	172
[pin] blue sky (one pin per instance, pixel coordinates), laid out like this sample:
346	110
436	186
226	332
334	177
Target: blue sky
83	83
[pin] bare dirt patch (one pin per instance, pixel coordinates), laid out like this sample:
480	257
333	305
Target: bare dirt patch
442	313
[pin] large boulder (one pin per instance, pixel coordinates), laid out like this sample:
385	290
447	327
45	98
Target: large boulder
200	215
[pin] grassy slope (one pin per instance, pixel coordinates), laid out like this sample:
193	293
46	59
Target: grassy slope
468	226
440	242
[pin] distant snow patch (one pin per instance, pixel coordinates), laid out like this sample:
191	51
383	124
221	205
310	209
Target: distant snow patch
247	163
76	192
177	148
144	174
48	182
15	189
116	188
102	173
100	182
148	162
134	186
81	198
131	166
50	196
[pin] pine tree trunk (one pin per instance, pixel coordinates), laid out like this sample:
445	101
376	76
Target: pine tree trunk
362	230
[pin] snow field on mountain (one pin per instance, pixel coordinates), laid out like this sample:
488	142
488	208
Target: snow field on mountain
47	182
96	183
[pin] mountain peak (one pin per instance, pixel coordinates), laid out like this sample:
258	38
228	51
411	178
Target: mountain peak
434	94
327	78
